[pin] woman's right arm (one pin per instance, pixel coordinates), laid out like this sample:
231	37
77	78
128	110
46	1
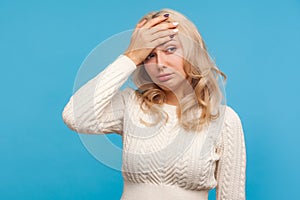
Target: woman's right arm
98	106
90	109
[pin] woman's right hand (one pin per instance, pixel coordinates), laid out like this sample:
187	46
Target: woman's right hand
148	35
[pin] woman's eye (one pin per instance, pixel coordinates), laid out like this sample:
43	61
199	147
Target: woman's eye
151	55
171	49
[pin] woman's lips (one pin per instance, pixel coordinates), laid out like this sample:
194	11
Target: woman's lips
164	77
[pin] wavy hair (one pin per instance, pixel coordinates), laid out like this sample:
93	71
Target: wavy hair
200	105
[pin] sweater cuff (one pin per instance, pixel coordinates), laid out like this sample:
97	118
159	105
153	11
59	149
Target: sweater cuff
127	61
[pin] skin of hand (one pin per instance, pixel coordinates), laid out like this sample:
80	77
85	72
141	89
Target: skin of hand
149	34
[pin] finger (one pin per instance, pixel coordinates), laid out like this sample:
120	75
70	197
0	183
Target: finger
161	40
156	20
163	26
161	34
141	23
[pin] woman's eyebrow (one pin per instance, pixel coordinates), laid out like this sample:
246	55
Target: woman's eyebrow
171	42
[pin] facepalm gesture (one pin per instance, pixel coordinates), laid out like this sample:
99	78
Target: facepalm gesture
148	35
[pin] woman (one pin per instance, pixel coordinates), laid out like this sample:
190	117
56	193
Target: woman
179	141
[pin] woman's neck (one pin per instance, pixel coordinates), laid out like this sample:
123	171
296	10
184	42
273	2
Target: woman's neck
172	98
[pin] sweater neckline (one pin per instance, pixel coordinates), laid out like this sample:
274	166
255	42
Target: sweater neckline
169	107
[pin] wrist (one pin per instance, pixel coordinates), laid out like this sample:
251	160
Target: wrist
133	57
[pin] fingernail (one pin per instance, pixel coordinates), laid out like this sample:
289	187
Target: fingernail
166	15
175	23
175	30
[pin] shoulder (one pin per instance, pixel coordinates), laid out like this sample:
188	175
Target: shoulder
231	132
129	96
128	93
123	98
231	116
232	125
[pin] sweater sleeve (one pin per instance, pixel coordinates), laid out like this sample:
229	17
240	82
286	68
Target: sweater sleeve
231	167
98	106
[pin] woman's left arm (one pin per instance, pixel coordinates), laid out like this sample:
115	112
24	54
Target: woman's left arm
231	168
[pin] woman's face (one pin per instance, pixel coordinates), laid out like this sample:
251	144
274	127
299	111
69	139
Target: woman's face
165	67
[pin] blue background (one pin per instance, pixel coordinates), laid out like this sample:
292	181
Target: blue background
43	43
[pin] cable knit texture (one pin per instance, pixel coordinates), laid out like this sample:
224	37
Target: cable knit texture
162	161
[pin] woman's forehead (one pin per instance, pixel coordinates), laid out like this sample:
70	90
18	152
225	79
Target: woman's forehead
174	41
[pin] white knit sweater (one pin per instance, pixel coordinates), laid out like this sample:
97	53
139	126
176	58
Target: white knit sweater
162	161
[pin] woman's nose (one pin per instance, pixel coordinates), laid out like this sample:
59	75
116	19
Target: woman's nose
160	59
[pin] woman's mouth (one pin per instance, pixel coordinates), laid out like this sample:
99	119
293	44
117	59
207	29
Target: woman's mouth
164	77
